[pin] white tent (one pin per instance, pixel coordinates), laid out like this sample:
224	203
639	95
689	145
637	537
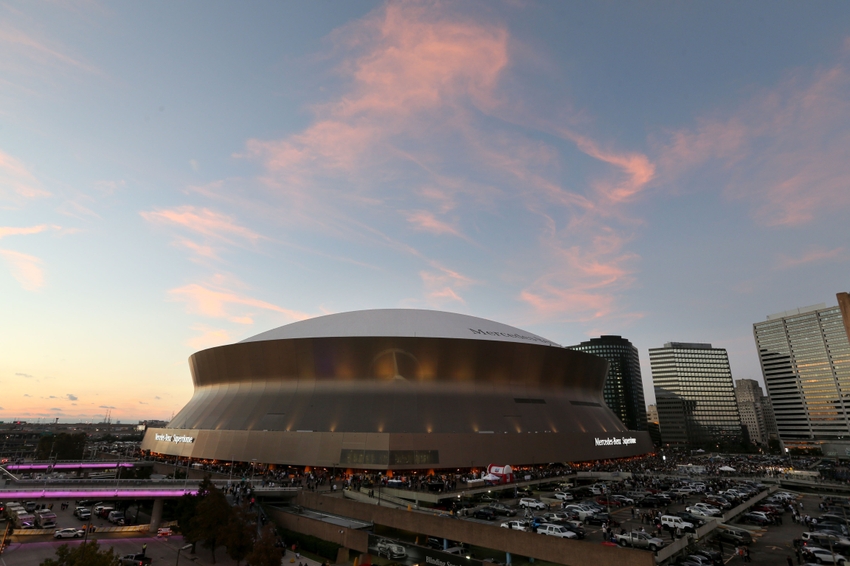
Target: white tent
726	469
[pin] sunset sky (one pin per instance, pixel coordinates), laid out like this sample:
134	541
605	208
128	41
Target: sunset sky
176	176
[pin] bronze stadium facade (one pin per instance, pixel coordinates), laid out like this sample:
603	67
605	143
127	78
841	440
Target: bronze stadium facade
397	389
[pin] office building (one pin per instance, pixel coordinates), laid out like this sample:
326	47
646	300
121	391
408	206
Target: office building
695	395
756	413
805	360
396	389
623	389
652	426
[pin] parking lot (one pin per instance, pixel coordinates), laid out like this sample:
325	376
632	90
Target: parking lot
772	544
66	519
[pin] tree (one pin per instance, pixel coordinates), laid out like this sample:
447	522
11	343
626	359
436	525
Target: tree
265	552
187	509
85	554
204	517
239	535
212	519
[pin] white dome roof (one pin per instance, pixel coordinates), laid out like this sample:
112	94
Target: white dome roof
411	323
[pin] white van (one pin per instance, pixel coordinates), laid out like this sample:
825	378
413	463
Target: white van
675	522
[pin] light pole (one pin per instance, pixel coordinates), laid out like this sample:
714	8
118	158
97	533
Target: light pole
253	467
186	480
187	547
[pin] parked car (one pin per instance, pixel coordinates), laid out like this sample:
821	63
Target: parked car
555	531
717	501
697	521
674	522
736	536
607	501
704	509
579	511
600	518
822	556
639	539
530	503
756	519
485	513
516	525
714	556
564	496
502	509
623	499
68	533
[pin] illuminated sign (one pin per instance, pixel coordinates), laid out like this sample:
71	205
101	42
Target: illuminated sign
615	441
176	439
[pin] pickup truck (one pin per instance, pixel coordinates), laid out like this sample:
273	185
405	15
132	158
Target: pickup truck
639	539
555	531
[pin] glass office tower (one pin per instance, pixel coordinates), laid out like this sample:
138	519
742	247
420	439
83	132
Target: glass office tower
805	360
695	395
623	389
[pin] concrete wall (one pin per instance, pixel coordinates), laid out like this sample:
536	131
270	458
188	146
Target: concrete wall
551	549
348	538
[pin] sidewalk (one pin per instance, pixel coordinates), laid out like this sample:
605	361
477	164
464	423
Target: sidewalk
289	559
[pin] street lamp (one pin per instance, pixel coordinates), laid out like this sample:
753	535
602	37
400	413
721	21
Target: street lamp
253	467
187	547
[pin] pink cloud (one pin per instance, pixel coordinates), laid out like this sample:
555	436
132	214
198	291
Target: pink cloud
417	60
811	256
406	60
422	126
208	337
198	249
639	171
584	282
444	285
786	151
203	221
33	51
424	220
15	176
26	269
221	303
16	231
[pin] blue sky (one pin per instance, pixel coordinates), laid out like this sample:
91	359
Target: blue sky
175	177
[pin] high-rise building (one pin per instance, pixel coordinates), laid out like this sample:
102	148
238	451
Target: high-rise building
756	413
694	394
652	426
623	391
805	361
652	414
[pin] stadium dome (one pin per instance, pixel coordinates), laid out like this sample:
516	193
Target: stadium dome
396	389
